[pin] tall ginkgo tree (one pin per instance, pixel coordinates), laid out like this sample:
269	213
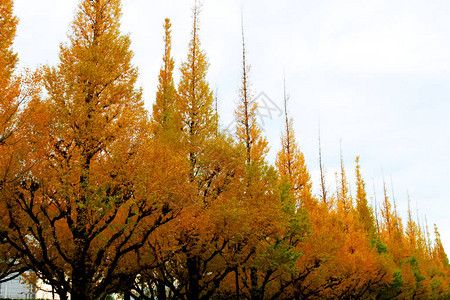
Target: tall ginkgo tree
164	116
261	196
14	91
95	186
247	129
193	255
9	84
195	98
291	164
364	212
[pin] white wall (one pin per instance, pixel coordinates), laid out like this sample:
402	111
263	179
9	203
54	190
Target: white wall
14	288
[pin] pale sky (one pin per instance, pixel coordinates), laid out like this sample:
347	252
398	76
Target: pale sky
375	73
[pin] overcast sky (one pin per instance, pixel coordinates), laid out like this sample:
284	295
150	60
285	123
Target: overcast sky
374	74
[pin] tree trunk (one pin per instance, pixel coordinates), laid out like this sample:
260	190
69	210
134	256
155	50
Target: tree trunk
255	292
127	296
161	291
79	294
80	289
193	289
237	283
62	295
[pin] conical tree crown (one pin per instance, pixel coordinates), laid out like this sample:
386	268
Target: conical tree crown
8	24
411	229
247	129
96	20
164	109
9	88
291	164
388	216
363	210
93	88
439	251
195	99
344	202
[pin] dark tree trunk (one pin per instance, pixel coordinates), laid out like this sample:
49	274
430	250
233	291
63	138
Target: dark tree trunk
193	290
127	296
80	288
161	291
237	283
255	291
62	296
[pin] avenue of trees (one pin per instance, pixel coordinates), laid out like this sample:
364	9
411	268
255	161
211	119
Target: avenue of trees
98	196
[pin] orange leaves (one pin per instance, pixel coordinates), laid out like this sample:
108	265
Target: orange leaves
95	197
291	164
8	24
93	185
247	130
97	19
165	115
9	84
364	212
194	101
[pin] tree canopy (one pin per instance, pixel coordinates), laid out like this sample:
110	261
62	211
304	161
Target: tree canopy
99	196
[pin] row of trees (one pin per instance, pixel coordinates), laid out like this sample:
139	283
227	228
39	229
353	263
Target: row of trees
98	197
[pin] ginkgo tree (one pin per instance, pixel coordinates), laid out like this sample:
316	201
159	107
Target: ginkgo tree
98	196
291	163
194	255
268	202
94	185
16	90
8	107
165	112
